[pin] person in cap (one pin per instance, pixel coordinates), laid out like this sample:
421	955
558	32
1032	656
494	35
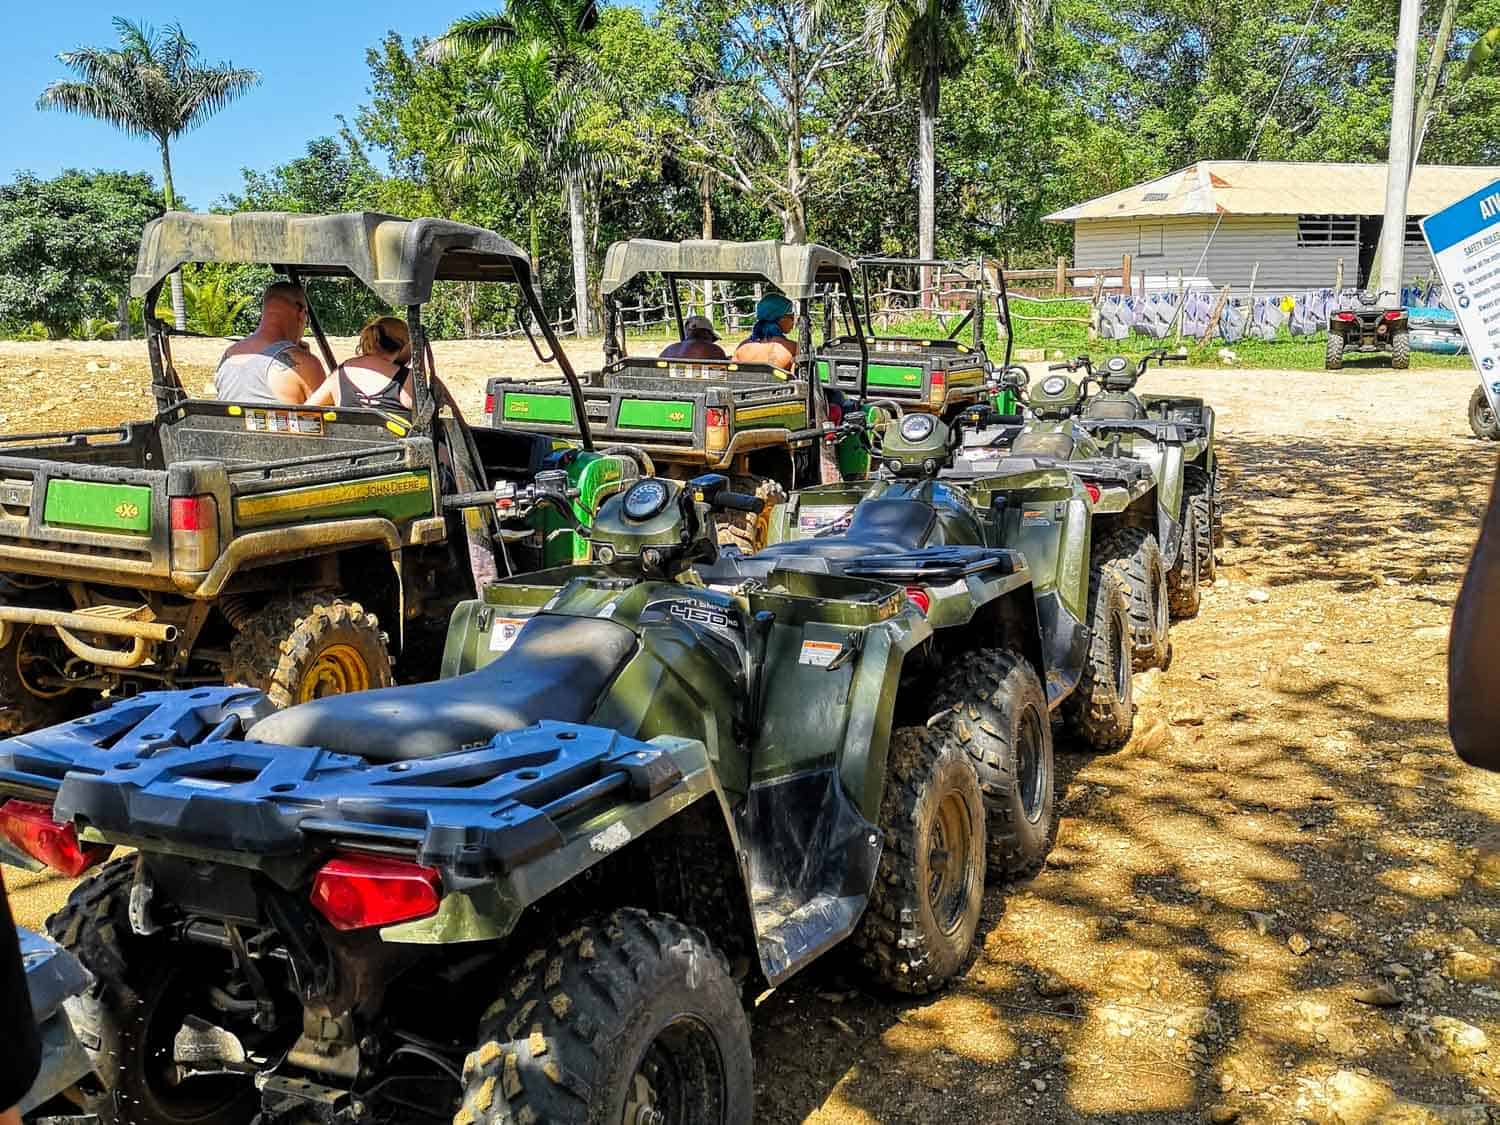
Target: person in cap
769	342
697	341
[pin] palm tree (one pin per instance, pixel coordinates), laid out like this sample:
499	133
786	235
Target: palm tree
923	42
151	85
562	26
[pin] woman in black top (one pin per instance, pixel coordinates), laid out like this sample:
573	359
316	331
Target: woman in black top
378	376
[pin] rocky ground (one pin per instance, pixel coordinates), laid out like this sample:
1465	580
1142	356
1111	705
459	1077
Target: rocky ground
1276	904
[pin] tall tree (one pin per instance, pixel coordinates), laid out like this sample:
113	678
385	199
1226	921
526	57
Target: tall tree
923	42
151	85
562	27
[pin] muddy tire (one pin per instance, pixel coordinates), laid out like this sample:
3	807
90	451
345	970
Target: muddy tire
919	927
631	1017
143	986
21	709
1333	353
1135	557
746	530
1183	594
1100	713
1481	418
308	646
1200	506
995	703
1401	350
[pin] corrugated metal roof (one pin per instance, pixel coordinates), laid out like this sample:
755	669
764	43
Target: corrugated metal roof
1280	187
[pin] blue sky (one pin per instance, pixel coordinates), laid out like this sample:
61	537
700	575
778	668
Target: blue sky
311	56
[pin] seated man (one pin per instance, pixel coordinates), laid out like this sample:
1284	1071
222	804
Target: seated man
697	341
272	364
768	342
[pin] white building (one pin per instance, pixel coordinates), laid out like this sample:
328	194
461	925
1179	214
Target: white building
1211	223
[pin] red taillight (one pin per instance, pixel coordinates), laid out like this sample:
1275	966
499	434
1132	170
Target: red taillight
357	891
489	405
939	388
1394	314
195	532
30	827
1346	317
835	413
919	598
1093	490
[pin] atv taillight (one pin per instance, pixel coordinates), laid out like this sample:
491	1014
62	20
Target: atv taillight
1394	314
195	532
30	827
939	388
1346	317
716	421
357	891
489	406
1093	490
919	598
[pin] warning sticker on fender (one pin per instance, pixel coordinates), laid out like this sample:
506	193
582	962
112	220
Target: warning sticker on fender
830	517
819	654
503	634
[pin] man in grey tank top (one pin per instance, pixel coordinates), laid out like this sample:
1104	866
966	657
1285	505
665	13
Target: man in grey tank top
272	365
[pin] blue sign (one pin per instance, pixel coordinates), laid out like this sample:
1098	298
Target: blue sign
1465	244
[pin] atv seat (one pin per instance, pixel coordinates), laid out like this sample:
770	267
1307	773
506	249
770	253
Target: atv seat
1115	406
556	669
878	527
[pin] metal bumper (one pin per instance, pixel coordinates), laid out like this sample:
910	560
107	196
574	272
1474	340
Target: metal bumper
145	634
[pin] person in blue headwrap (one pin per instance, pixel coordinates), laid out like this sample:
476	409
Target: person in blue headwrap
769	341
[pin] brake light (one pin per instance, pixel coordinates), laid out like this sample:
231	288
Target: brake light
195	532
1093	490
358	891
919	598
939	388
1346	317
835	413
489	406
716	422
1394	314
29	826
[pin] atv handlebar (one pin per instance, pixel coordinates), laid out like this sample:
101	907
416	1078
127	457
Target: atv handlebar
740	502
1161	355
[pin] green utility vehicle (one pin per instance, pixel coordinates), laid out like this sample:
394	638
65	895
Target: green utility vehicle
304	551
540	888
754	422
936	375
1069	522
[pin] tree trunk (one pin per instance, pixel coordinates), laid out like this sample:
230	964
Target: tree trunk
794	215
706	201
179	306
122	314
927	112
578	236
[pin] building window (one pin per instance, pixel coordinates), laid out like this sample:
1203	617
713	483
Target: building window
1149	242
1327	230
1414	229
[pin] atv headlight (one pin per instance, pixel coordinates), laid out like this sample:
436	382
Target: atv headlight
918	427
1055	385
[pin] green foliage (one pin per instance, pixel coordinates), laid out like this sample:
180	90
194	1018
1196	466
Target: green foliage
68	245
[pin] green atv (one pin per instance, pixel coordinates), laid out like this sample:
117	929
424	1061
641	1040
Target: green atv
540	888
1070	523
934	375
754	422
303	551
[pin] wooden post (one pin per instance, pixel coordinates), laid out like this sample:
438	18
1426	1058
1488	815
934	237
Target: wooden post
1060	286
1181	310
1338	277
1125	273
1254	275
1213	317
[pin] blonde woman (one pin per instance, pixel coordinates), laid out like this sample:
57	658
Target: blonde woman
378	376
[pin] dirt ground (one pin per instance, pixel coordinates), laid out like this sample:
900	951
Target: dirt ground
1270	906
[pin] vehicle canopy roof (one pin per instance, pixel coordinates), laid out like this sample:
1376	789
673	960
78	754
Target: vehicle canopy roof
795	269
398	259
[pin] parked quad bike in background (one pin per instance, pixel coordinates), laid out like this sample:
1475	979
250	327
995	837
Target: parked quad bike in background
1360	324
1482	418
545	882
